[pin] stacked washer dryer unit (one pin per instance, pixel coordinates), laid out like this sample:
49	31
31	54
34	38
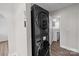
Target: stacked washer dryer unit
40	31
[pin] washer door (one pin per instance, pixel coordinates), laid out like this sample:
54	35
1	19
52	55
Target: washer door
44	51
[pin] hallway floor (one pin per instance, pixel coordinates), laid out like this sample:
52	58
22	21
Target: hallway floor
4	48
58	51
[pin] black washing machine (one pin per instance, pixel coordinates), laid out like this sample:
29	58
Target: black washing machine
40	31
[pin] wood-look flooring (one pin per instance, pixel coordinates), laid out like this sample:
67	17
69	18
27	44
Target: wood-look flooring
56	50
4	48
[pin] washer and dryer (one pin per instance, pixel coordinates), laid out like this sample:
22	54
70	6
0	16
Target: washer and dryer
40	31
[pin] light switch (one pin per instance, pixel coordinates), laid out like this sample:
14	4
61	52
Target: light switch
24	23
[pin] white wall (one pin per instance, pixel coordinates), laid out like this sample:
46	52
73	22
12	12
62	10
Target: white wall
22	35
28	29
3	24
19	43
11	30
6	11
50	29
20	31
3	28
69	27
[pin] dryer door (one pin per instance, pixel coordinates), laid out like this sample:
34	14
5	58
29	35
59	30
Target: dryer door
43	20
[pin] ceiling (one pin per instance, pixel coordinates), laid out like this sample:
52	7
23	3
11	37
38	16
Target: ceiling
53	6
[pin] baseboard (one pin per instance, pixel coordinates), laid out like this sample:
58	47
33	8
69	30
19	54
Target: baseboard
72	49
12	54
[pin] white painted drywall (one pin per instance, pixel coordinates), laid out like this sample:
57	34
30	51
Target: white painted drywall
69	27
3	23
20	30
50	29
6	11
14	14
17	33
11	30
22	35
28	29
3	28
53	6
